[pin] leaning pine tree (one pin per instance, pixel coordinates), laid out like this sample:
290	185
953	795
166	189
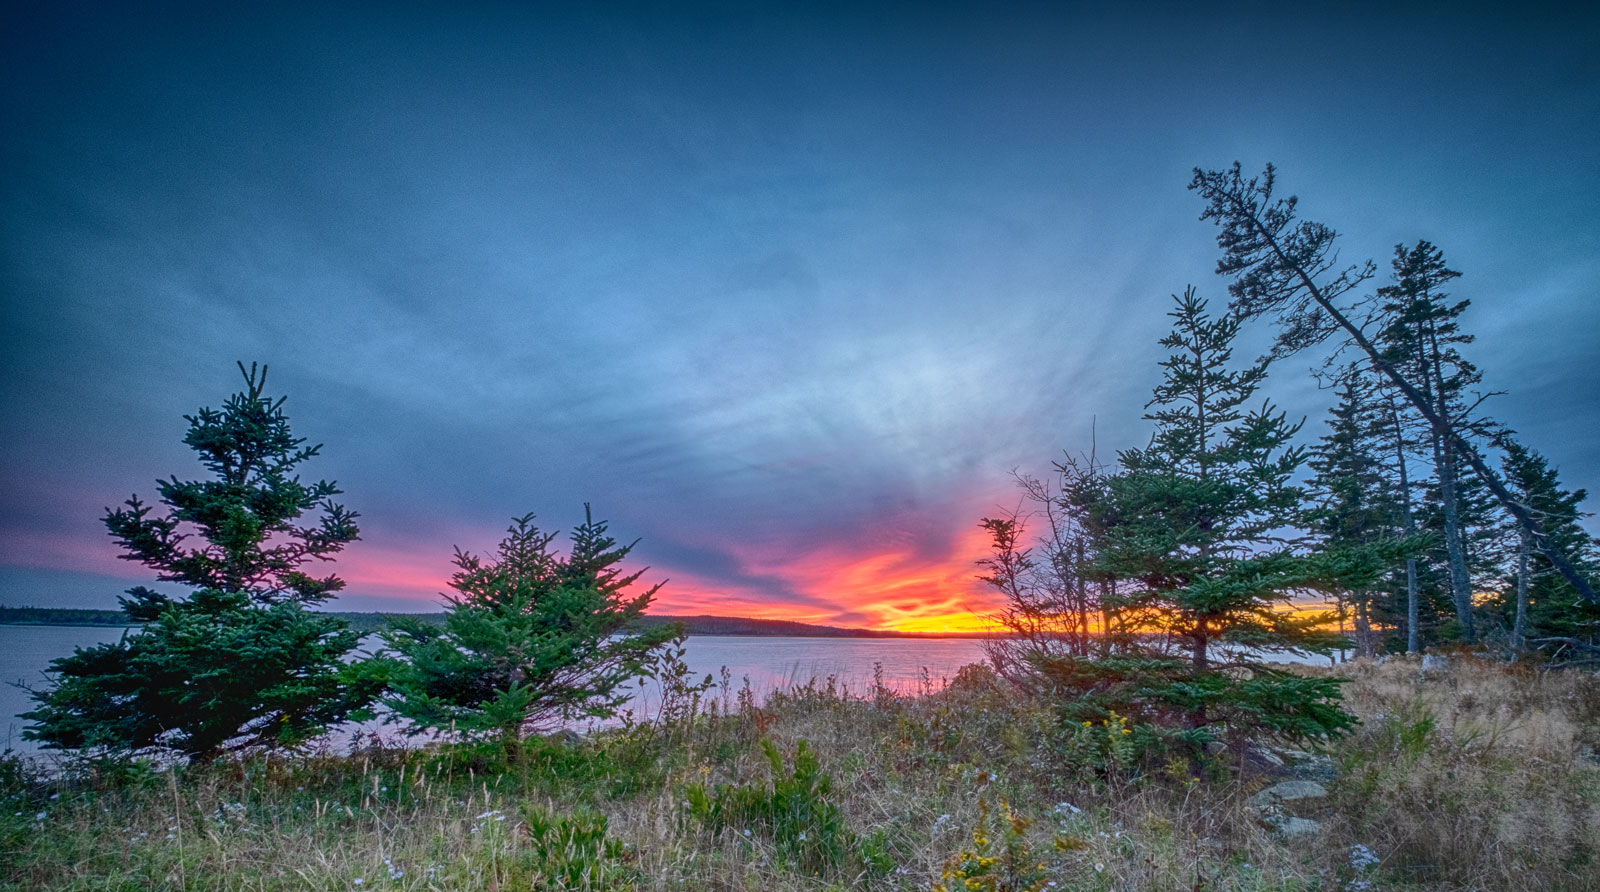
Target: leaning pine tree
530	638
239	662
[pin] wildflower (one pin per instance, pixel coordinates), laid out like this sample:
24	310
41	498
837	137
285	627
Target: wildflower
359	881
1363	858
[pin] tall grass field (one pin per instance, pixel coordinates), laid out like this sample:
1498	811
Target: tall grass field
1478	776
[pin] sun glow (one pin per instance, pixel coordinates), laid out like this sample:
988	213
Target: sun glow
887	586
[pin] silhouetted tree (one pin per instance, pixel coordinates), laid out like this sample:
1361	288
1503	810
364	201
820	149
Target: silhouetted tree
1544	609
1289	268
1354	502
1053	589
1420	336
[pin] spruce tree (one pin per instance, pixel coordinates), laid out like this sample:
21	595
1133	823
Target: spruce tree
1354	501
239	662
1200	531
1421	339
1542	607
530	638
1289	268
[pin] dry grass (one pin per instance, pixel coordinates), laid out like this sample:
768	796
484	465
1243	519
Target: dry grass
1483	777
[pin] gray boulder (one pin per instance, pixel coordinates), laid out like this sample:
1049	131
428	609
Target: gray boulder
1288	791
1291	828
1309	766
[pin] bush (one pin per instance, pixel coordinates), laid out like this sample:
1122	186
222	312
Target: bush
795	811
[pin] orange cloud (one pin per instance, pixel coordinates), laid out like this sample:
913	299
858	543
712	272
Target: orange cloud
890	585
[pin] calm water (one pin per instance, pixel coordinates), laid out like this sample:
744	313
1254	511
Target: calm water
769	663
25	653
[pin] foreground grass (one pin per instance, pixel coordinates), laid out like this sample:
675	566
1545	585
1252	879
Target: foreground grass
1483	777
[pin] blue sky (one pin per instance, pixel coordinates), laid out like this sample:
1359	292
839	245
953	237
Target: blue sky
785	294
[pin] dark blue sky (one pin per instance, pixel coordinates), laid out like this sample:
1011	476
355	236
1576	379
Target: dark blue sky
786	294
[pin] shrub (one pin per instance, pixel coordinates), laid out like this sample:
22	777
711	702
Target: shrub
794	811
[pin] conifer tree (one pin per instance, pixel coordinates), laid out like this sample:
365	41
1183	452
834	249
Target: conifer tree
1544	609
1198	529
1398	447
1289	268
1205	510
1355	503
239	662
1420	339
530	638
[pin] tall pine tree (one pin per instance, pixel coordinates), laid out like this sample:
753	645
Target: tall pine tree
1542	607
1355	502
239	662
1199	531
1421	340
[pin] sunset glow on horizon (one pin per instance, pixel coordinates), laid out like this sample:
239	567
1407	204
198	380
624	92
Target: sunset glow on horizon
890	590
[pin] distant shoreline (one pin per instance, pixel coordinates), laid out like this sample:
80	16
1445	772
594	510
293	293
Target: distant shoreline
695	626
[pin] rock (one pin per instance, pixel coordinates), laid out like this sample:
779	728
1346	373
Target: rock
565	737
1264	756
1290	828
1287	827
1433	664
1288	791
1309	766
1316	768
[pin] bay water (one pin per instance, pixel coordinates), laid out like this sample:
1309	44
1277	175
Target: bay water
765	664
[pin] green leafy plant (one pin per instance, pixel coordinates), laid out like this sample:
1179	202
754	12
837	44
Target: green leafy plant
794	811
1000	859
573	852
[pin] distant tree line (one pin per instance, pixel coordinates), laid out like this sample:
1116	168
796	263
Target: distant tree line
62	616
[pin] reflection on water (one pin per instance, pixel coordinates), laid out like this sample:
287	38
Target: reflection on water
25	654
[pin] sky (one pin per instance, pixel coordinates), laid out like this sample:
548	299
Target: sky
786	292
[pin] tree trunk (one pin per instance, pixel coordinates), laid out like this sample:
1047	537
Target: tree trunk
1519	628
1413	609
1413	605
1455	549
1363	624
